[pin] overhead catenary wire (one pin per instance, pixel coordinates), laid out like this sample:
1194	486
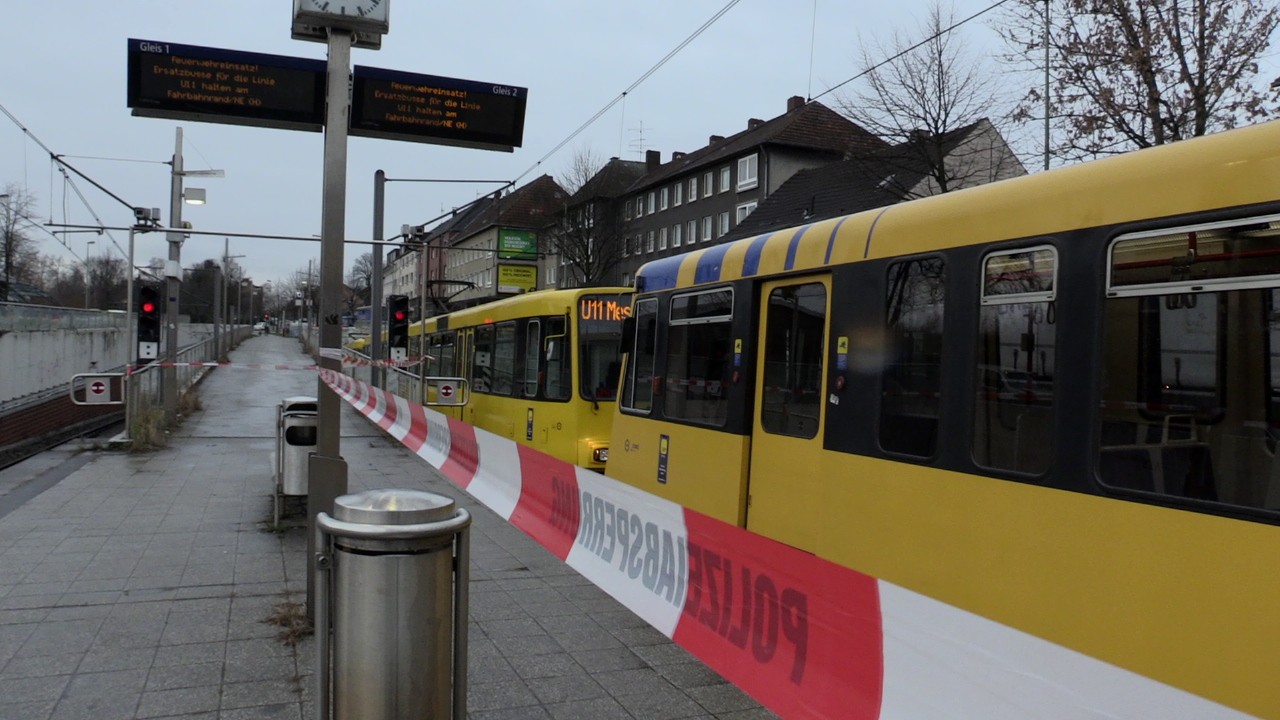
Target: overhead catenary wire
622	96
911	49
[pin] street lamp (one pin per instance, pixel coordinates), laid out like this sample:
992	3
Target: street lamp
173	272
87	246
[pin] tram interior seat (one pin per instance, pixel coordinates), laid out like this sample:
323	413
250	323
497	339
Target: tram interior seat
1165	457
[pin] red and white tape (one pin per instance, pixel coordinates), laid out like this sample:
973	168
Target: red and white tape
805	637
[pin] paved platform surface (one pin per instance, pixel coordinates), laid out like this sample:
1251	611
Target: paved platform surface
142	585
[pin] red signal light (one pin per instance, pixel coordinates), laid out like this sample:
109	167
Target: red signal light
148	307
400	315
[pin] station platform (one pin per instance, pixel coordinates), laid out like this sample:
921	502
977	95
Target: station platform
153	585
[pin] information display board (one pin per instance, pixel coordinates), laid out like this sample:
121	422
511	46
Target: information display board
189	82
445	111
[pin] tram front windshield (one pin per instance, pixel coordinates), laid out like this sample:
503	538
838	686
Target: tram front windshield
600	334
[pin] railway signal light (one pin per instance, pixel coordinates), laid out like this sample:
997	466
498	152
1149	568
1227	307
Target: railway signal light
398	326
148	323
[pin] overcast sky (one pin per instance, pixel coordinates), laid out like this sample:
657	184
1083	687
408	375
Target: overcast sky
64	79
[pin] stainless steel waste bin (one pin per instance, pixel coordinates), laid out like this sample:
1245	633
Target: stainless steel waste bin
392	588
295	441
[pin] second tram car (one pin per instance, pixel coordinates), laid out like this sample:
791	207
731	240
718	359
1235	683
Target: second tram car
1052	401
542	367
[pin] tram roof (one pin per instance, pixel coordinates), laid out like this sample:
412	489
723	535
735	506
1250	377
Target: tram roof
1227	169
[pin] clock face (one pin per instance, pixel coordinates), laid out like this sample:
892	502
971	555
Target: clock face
371	9
343	13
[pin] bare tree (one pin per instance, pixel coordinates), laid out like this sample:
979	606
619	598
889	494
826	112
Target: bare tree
587	232
15	215
1128	74
933	103
360	279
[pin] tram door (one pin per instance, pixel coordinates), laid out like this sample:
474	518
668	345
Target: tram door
786	443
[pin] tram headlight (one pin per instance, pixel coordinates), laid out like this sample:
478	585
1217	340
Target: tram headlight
600	454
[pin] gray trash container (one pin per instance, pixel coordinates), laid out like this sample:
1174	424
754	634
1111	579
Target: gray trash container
295	441
392	586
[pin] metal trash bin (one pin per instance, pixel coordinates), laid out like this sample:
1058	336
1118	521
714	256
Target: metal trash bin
295	441
386	588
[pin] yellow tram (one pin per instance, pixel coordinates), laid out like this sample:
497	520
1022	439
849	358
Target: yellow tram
1052	401
542	367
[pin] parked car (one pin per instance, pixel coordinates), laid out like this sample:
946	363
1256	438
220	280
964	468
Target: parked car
260	328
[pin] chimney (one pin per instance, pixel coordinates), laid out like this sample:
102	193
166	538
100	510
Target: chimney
652	159
677	155
715	139
754	123
795	102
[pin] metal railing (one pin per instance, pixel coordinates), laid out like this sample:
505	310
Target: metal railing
147	383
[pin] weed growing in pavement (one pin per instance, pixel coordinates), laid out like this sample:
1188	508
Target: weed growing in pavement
148	431
292	618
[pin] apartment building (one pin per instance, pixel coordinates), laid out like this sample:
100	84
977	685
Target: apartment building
697	198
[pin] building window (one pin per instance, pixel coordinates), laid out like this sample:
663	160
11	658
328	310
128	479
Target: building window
724	179
706	228
678	190
653	200
744	210
707	184
675	235
724	223
662	204
551	274
662	239
640	206
626	211
747	172
649	246
693	188
626	245
692	231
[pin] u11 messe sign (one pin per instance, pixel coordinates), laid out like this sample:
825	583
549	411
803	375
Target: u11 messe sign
168	80
432	109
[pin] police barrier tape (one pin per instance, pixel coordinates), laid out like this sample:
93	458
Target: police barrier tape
805	637
346	360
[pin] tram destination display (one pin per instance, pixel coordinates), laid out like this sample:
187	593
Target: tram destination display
445	111
189	82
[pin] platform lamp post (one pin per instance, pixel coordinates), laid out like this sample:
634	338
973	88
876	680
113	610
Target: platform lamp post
88	246
173	268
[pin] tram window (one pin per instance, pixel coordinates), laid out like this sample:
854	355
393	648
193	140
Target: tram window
1189	368
911	382
699	357
504	360
442	348
532	357
482	360
559	383
637	393
1013	413
793	353
600	319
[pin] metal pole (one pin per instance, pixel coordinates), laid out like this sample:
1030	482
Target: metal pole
131	342
87	246
1046	84
173	285
218	284
327	471
375	282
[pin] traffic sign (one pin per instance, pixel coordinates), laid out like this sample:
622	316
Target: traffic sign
96	389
